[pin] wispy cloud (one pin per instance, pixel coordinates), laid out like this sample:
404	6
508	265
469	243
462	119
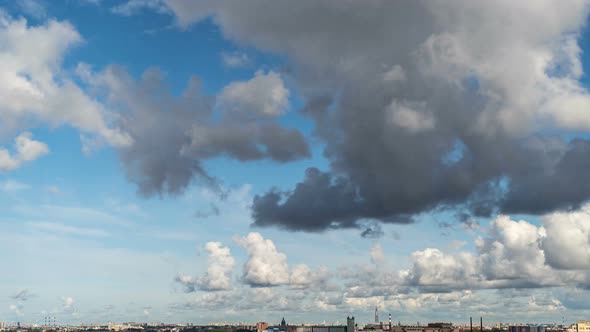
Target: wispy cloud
67	230
71	213
10	186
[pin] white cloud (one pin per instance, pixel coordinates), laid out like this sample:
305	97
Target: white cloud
411	116
376	252
303	277
26	149
567	241
71	214
67	302
33	85
32	8
264	94
433	268
53	189
220	265
12	186
17	309
235	59
133	7
512	251
58	228
265	265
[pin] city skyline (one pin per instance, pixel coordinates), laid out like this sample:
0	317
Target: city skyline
198	161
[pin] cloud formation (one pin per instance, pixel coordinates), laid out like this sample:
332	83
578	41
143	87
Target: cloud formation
264	94
376	253
509	262
266	266
26	149
235	59
425	107
173	135
34	88
220	266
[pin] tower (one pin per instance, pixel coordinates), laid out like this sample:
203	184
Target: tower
350	324
389	322
376	315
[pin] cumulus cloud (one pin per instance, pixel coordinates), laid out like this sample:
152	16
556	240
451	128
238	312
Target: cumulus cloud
567	241
26	149
67	302
508	263
512	254
220	265
437	271
35	89
416	84
303	277
266	266
68	305
173	135
264	94
34	8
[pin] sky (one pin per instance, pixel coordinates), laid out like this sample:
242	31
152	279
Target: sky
203	161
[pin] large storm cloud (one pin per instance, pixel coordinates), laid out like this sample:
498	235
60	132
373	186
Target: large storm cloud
423	105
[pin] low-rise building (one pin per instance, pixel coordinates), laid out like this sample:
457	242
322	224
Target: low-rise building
519	328
580	326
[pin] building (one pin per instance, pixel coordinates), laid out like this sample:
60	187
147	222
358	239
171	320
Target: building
349	327
124	327
432	327
409	328
442	327
538	328
261	326
519	328
580	326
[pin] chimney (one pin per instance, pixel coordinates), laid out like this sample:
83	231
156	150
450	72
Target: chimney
480	324
389	322
470	324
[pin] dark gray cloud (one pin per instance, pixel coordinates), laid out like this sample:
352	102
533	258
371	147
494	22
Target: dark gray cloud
420	106
371	230
173	135
334	204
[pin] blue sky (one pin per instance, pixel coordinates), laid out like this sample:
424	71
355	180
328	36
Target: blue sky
144	143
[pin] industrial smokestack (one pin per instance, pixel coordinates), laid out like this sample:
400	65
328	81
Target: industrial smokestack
470	324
